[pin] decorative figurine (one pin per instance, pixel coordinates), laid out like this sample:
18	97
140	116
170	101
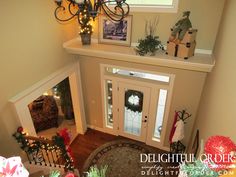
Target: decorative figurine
180	28
182	41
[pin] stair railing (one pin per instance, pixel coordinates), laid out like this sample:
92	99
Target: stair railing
45	152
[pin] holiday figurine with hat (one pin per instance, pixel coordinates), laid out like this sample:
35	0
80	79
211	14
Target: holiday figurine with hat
180	28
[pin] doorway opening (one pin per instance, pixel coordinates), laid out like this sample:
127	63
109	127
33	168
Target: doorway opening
53	111
47	89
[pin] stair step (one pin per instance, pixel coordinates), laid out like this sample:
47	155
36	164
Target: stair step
37	174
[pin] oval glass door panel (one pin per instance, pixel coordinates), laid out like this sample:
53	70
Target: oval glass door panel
133	110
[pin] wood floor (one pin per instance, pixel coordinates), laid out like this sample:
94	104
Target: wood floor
85	144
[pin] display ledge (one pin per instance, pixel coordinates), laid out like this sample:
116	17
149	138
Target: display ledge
199	62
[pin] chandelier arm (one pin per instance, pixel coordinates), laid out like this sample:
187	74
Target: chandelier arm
113	16
120	4
106	8
117	6
128	8
62	20
69	9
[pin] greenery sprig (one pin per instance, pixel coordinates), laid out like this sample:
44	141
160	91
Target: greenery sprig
151	43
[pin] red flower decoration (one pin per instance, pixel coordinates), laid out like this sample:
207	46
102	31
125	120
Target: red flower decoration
19	129
65	135
220	149
71	175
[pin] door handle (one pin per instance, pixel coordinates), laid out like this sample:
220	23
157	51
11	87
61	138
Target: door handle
145	121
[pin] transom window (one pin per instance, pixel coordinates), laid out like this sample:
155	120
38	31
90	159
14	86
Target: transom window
153	5
138	74
150	2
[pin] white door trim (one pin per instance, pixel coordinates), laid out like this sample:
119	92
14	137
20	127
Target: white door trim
20	101
152	113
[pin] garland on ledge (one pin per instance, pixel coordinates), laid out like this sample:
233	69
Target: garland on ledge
60	141
24	143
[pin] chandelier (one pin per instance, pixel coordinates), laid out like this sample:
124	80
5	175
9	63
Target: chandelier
115	10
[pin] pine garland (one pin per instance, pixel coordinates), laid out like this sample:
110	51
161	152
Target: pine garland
35	146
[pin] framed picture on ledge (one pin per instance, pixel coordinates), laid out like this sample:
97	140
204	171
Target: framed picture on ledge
112	32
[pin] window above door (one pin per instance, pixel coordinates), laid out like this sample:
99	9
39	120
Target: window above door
159	77
169	6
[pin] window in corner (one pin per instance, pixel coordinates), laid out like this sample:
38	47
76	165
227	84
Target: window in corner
153	5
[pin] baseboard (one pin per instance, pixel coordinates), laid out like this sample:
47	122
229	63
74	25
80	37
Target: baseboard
165	148
96	128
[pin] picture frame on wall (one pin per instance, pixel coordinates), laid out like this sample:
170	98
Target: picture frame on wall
112	32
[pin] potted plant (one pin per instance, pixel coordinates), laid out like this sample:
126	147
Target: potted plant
86	28
151	43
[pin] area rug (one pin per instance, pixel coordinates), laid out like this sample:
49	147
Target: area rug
124	160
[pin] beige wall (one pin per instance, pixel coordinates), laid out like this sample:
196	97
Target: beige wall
186	94
31	49
205	16
217	111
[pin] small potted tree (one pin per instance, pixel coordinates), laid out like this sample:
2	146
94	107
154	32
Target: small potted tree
151	43
86	28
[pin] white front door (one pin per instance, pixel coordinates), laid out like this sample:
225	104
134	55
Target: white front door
133	106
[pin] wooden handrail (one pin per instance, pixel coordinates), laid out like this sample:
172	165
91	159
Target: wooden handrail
43	151
43	140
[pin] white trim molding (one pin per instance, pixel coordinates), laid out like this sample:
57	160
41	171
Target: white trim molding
133	44
20	102
199	62
96	128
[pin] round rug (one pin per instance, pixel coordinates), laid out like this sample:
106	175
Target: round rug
124	160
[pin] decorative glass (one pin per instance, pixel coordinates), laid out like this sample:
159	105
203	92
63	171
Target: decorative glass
133	112
138	74
160	113
108	98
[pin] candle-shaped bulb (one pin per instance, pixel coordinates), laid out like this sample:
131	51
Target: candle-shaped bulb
58	2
